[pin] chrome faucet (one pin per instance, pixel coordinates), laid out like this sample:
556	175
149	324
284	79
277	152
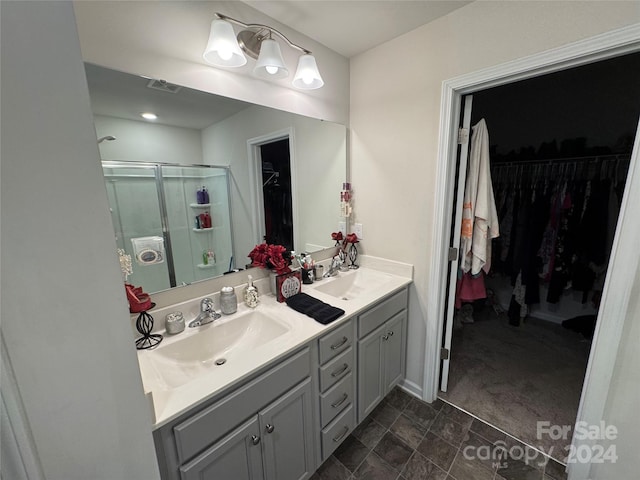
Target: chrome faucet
207	313
336	263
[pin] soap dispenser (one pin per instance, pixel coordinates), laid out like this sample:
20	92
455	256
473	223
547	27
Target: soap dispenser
251	294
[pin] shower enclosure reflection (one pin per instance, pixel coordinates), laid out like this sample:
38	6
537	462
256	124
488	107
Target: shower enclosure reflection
157	220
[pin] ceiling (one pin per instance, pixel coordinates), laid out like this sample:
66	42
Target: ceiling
117	94
350	27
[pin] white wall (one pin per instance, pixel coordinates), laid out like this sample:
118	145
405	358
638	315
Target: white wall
166	40
319	149
395	113
148	142
64	312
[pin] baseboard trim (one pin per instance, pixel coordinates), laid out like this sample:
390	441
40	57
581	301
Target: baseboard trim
411	388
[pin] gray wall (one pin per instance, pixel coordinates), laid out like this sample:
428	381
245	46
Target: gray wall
64	312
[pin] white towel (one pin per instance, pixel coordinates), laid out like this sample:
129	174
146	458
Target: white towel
479	215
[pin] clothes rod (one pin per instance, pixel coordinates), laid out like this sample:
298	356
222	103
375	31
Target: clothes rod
551	161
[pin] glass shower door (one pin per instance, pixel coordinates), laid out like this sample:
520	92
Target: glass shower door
200	251
136	214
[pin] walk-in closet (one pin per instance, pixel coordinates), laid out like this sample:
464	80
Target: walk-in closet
559	147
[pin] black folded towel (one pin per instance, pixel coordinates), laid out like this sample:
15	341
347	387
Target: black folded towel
314	308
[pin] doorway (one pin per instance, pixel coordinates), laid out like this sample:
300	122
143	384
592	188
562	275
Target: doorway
276	193
615	300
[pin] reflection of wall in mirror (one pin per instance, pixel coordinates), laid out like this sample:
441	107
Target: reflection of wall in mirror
319	152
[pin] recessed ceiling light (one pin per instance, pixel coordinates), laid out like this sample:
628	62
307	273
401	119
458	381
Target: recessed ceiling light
149	116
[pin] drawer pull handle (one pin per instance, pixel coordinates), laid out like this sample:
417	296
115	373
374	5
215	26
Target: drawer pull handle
270	428
255	439
341	401
341	436
390	333
385	337
340	343
337	373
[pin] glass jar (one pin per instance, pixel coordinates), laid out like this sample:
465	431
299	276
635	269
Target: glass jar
228	300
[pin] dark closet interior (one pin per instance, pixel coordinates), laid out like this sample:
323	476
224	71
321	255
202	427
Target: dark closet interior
560	150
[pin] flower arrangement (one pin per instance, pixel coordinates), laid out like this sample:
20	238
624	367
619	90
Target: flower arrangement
339	237
274	257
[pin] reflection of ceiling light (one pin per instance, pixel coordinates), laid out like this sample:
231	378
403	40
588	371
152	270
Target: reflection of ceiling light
225	50
149	116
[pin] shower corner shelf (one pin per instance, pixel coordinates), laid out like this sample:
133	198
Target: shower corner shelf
199	230
203	266
199	205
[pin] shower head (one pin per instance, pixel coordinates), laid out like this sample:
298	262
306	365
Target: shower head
108	138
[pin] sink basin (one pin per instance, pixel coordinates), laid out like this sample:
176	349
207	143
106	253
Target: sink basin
350	285
178	360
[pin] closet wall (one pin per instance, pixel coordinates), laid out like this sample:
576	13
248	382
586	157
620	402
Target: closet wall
560	146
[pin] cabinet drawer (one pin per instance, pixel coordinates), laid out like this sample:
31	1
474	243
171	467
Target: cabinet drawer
369	321
336	399
336	369
337	431
207	426
335	342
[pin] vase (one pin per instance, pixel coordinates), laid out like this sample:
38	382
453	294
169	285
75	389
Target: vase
353	256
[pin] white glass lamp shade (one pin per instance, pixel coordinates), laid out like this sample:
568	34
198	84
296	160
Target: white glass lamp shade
270	63
307	76
223	49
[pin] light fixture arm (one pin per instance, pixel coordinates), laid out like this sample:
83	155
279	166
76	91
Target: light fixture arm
263	27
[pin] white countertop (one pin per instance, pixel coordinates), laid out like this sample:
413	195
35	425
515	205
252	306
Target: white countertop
169	402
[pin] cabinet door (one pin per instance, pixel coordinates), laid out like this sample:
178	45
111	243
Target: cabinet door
237	456
287	430
370	372
394	340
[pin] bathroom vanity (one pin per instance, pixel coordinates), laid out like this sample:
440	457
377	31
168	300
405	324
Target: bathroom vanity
276	410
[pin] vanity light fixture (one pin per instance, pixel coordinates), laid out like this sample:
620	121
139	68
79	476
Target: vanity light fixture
149	116
224	49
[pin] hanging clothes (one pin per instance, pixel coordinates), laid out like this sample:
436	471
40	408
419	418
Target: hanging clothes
479	215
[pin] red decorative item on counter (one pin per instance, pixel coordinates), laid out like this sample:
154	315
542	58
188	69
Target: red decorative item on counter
138	300
287	285
273	257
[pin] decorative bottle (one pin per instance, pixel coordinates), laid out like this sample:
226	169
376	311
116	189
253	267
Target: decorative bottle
251	294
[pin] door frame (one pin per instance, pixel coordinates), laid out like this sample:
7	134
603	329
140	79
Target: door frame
255	180
624	259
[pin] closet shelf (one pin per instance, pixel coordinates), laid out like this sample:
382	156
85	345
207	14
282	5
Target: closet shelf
199	205
204	267
200	230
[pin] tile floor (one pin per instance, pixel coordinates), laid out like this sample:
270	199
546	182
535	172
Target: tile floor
407	439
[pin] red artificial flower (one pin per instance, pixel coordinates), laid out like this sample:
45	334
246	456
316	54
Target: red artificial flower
337	236
351	238
270	256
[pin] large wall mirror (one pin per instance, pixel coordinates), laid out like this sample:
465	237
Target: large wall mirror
282	173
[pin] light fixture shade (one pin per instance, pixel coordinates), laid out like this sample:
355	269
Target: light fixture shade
307	76
270	63
223	49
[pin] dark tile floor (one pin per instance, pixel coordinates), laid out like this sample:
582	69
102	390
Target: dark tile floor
407	439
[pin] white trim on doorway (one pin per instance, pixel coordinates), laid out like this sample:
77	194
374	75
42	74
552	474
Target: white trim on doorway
625	256
255	179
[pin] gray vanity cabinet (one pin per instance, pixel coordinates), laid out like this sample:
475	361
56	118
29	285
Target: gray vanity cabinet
336	374
262	430
287	435
274	445
237	456
382	333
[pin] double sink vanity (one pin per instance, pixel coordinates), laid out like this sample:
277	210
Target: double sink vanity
269	392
